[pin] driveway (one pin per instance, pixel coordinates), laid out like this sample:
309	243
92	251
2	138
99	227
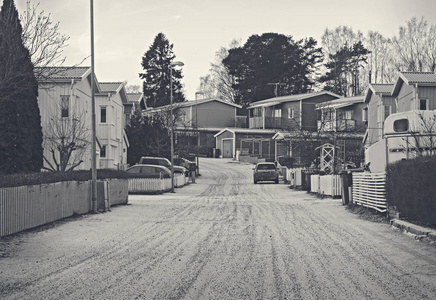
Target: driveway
220	238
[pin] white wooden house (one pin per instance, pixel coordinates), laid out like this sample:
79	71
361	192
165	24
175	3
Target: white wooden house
65	97
112	105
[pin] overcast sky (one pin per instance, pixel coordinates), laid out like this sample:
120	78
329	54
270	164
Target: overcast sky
124	30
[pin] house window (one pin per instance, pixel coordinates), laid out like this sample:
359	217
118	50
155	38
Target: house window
349	115
103	151
423	104
291	113
277	113
103	114
65	106
365	114
388	111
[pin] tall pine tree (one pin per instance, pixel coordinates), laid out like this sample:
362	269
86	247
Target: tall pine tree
269	59
20	120
156	62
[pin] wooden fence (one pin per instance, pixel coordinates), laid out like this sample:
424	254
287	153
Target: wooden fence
26	207
369	190
155	185
328	185
295	177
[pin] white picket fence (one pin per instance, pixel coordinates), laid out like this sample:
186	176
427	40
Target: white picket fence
155	185
327	185
295	176
26	207
369	190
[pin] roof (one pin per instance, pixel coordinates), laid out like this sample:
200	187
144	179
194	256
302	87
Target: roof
414	78
286	135
192	103
378	89
418	77
289	98
341	102
246	130
134	97
110	87
63	72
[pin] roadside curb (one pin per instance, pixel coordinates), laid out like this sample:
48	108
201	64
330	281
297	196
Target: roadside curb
414	229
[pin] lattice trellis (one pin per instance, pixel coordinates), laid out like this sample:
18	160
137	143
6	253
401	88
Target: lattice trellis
327	157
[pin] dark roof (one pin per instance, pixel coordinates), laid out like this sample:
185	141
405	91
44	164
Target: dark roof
110	87
419	77
382	88
63	72
191	103
412	78
289	98
341	102
134	97
378	89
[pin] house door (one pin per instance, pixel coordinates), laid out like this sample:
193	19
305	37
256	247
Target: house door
227	148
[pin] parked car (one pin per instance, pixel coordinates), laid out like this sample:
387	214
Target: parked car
266	171
162	161
148	171
188	164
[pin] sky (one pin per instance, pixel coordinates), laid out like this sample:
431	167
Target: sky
125	30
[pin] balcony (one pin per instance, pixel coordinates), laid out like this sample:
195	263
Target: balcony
337	125
271	123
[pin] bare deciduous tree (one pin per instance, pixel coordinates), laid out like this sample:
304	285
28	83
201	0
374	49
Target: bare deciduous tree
218	83
66	140
422	131
43	40
416	46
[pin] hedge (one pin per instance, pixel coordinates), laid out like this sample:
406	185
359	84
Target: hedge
50	177
411	187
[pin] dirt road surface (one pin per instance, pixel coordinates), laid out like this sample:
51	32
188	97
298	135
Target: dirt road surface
221	238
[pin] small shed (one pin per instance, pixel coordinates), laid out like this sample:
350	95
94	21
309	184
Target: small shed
254	142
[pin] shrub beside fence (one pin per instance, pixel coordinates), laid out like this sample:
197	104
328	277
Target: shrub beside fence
411	188
369	190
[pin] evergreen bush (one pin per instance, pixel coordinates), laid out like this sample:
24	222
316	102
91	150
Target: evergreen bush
411	187
13	180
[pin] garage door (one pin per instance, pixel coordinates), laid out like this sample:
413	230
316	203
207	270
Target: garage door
227	148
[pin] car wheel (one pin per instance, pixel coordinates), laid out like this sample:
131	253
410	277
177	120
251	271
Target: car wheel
276	181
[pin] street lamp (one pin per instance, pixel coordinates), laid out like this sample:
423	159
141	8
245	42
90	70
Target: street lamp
172	64
197	132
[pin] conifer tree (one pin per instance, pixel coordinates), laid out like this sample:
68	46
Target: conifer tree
156	62
20	120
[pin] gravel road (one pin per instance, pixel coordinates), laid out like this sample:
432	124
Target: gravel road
221	238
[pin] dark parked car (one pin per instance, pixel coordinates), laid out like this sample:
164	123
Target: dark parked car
148	171
152	160
266	171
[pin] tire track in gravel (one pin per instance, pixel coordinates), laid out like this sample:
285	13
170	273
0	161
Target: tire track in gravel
229	240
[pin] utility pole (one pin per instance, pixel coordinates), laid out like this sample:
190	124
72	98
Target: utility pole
93	148
276	89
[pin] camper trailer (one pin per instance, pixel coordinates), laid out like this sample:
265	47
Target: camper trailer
405	135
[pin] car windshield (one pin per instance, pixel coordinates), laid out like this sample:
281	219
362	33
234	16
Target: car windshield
266	167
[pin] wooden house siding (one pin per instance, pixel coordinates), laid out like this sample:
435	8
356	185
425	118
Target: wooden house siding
309	119
377	113
110	133
215	114
429	93
49	101
406	98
